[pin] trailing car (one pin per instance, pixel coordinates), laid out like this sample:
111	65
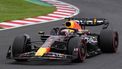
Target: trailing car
71	42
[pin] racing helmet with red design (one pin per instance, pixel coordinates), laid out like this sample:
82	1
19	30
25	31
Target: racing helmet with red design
73	24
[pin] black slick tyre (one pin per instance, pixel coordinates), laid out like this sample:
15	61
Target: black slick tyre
20	46
108	42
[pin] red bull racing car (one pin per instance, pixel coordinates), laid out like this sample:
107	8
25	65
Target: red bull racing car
71	42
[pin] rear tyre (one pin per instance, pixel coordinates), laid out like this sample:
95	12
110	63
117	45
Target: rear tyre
77	49
20	45
108	41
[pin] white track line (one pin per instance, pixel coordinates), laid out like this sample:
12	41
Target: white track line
63	13
57	15
35	19
21	21
10	24
47	17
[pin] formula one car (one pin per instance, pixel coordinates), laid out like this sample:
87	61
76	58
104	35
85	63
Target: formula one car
71	42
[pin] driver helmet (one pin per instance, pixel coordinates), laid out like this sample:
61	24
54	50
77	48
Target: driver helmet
73	24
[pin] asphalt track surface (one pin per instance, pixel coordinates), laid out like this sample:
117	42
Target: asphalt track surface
110	9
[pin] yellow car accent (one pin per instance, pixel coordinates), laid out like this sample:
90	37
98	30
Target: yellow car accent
71	31
41	51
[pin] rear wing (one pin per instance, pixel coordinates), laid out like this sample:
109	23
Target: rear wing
90	21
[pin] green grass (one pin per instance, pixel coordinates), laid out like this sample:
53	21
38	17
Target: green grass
19	9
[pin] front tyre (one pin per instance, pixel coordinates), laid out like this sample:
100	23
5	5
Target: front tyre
20	45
